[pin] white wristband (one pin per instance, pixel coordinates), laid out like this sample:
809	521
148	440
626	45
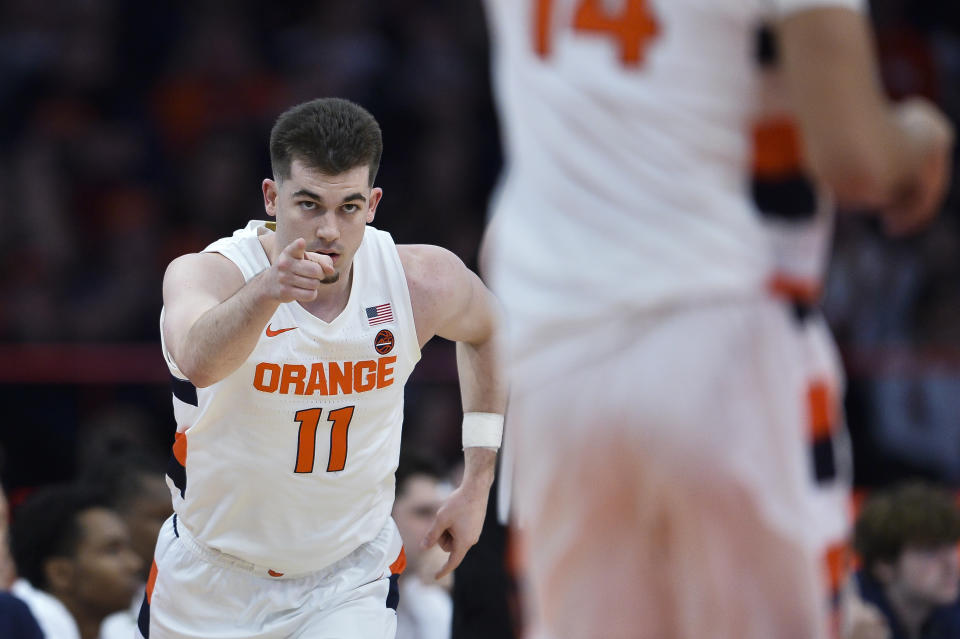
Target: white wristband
482	429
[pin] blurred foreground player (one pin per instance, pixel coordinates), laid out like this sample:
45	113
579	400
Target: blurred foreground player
290	349
662	399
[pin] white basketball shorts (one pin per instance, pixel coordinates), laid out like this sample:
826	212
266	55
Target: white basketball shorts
196	592
678	474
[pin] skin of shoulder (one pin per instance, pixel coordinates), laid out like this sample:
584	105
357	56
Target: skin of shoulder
449	300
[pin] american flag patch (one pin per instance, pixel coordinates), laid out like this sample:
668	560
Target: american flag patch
379	314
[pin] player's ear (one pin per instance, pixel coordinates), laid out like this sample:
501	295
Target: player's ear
271	191
375	196
59	572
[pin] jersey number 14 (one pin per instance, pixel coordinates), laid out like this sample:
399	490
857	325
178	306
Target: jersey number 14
632	27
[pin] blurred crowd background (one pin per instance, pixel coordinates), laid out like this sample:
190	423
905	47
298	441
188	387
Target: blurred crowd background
133	132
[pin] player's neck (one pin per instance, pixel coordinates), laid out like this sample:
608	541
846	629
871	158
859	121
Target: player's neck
88	623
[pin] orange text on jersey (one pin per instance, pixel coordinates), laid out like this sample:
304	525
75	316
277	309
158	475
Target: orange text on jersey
324	378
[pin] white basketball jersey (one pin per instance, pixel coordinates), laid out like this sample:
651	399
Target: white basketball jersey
289	461
627	132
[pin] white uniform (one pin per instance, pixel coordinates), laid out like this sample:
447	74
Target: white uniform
285	468
661	394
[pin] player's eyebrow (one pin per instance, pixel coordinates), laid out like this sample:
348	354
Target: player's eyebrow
354	196
309	194
314	196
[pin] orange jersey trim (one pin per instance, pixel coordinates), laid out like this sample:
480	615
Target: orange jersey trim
777	149
795	289
180	448
151	580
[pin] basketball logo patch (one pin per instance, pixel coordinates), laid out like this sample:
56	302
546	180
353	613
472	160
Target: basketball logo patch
383	342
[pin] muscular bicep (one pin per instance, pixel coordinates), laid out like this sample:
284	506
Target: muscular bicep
473	317
192	285
449	300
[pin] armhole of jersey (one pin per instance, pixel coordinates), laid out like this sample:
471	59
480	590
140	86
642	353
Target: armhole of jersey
246	253
400	283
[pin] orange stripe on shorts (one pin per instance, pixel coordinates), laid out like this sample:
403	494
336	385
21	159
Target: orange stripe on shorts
837	560
400	564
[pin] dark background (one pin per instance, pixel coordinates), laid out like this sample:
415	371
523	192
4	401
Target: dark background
133	132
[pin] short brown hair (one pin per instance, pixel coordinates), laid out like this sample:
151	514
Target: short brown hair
915	514
330	135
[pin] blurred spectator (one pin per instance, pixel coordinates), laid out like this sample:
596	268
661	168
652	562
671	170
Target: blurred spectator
425	609
134	486
74	558
907	539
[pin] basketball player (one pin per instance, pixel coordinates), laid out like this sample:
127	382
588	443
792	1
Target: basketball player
290	346
663	400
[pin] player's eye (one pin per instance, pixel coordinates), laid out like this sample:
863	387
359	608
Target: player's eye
307	205
350	207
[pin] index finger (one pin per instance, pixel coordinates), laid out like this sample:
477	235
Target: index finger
296	248
456	556
433	535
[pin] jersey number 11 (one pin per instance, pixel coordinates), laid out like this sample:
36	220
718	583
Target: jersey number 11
633	27
309	420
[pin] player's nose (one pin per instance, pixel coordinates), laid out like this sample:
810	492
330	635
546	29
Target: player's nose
327	228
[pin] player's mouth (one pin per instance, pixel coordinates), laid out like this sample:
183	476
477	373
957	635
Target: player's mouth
333	255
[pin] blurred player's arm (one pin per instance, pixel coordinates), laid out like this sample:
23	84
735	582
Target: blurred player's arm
212	319
450	301
874	155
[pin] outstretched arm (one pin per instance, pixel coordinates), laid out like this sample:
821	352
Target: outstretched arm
450	301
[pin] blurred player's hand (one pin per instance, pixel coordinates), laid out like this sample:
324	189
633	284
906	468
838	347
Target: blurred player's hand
458	524
298	274
932	135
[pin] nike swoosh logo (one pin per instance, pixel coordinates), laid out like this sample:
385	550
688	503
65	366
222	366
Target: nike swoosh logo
274	333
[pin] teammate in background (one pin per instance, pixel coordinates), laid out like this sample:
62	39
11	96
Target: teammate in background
290	347
133	486
74	558
662	400
907	538
425	610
